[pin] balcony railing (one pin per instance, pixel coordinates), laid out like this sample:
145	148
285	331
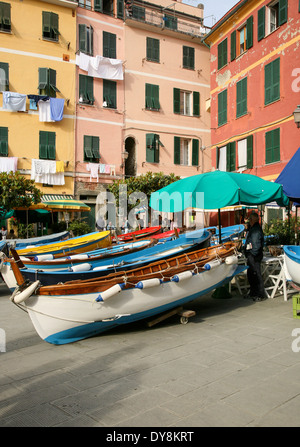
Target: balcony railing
165	19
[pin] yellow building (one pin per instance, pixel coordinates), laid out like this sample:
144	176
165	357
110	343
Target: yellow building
37	52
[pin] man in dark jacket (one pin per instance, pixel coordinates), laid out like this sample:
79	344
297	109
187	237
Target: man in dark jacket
254	254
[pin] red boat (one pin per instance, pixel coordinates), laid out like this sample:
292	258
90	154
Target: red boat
133	235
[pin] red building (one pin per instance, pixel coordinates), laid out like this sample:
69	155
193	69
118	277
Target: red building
255	86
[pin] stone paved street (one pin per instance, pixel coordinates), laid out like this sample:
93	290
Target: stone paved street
231	365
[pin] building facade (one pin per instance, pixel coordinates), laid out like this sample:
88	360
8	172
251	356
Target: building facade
255	85
167	81
37	63
99	98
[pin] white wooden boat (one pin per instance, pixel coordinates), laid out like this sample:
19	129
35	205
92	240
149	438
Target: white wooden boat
79	309
292	263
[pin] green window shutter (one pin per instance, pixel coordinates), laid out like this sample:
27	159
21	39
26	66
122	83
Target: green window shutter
196	104
261	23
86	89
152	49
241	97
150	155
4	76
272	81
5	18
233	46
230	154
249	30
51	145
217	157
95	147
176	150
222	108
87	146
272	146
250	152
43	78
54	25
170	22
176	100
188	57
155	94
109	45
110	93
98	5
90	89
138	13
222	54
283	12
120	9
195	152
4	141
82	38
46	18
52	83
299	6
47	145
152	96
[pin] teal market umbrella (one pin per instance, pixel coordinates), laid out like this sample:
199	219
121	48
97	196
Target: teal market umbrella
217	189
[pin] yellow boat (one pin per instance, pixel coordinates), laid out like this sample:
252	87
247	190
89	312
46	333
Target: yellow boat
80	244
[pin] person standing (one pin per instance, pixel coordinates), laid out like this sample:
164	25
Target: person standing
254	254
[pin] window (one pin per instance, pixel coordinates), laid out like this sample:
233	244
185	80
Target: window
182	102
86	89
50	26
4	80
5	21
241	39
186	151
188	58
104	6
91	148
226	157
170	22
273	146
241	98
152	97
185	102
138	13
245	153
152	147
109	94
47	145
109	45
152	50
87	4
47	82
222	108
272	81
222	54
3	141
86	39
261	23
120	9
272	16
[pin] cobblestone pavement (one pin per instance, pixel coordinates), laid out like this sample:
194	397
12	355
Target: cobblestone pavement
235	364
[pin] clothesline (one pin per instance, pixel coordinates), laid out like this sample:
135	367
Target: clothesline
48	171
100	67
96	168
50	109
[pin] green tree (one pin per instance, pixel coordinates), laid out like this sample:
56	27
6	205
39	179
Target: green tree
17	191
146	183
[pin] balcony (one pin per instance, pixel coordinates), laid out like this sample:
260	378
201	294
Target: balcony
146	15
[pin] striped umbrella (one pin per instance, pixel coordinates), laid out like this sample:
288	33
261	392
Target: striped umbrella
65	205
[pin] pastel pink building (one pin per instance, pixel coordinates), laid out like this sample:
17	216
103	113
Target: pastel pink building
143	78
99	98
